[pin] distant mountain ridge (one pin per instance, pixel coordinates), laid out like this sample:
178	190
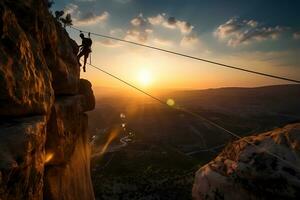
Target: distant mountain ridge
278	98
283	86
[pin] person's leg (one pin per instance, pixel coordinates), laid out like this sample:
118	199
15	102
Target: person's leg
79	56
85	59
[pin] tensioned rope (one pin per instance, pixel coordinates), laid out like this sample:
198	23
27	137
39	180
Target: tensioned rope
191	57
195	115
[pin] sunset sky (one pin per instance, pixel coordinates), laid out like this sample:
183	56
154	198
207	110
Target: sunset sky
258	35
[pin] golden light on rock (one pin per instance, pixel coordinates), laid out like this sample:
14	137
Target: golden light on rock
48	157
170	102
111	137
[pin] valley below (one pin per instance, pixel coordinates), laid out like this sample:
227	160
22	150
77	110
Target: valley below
144	150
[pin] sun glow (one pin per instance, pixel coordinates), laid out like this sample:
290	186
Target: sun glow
145	77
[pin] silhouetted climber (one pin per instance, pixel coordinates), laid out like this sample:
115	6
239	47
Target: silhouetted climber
85	49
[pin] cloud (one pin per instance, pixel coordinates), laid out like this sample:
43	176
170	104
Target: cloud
189	40
145	29
157	20
139	21
252	23
229	28
162	42
149	31
108	43
72	9
184	27
259	34
118	32
90	18
136	35
171	23
85	18
238	32
281	58
296	35
140	29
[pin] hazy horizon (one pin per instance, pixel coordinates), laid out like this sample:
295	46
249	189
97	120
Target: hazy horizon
125	90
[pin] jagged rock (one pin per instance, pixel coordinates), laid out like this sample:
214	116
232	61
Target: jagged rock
61	59
24	76
44	151
85	88
64	128
67	173
243	171
22	153
71	180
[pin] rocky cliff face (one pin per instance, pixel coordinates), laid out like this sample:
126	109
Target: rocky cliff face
242	171
44	151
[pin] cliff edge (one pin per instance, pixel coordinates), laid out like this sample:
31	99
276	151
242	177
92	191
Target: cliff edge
44	149
243	171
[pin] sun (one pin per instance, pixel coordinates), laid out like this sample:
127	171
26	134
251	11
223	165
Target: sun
145	77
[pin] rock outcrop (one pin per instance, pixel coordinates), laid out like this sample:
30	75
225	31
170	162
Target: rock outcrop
44	149
243	171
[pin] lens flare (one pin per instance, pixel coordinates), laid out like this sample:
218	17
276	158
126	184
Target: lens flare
122	116
111	137
170	102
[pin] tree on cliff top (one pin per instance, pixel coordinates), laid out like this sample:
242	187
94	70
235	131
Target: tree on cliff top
49	3
67	21
59	14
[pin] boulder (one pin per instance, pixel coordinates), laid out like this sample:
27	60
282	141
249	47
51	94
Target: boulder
244	171
85	89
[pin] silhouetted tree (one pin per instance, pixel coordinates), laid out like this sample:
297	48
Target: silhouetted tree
67	21
59	14
49	3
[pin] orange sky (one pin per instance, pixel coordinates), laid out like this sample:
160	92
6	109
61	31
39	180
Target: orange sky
174	72
233	35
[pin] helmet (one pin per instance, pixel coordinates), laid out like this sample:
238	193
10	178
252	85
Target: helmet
81	35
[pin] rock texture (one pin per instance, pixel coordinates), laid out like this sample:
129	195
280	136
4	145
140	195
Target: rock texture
44	149
243	171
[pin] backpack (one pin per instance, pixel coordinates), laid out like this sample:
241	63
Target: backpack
87	42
